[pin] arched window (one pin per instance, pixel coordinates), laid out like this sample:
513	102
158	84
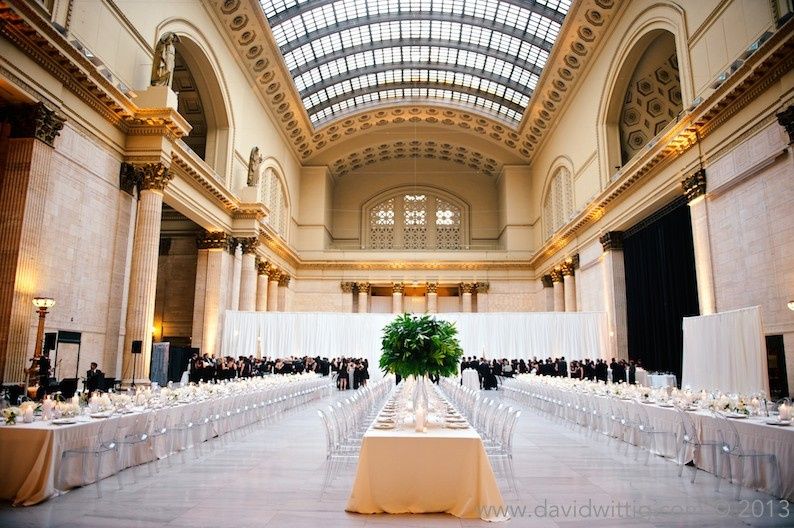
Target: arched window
415	219
558	202
272	194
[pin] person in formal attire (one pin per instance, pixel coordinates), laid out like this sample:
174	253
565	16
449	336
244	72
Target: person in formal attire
601	370
562	367
632	372
619	372
94	378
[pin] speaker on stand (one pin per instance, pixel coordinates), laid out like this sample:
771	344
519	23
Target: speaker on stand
137	348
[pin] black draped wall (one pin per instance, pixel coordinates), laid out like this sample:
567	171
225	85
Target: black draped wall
661	287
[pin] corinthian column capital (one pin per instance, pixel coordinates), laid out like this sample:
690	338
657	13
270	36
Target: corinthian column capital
432	287
213	240
153	176
694	185
248	244
34	121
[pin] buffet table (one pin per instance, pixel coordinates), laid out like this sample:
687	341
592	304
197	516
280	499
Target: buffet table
440	470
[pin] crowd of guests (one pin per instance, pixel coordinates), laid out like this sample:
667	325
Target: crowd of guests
206	368
490	372
350	373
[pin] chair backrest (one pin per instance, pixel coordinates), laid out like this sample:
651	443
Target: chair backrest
729	436
107	435
688	426
329	434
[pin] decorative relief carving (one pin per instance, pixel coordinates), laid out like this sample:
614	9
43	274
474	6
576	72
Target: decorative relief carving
556	275
33	121
274	274
213	240
432	287
694	185
248	244
283	280
397	287
482	287
348	287
612	241
567	269
262	267
153	176
363	287
786	120
466	287
128	180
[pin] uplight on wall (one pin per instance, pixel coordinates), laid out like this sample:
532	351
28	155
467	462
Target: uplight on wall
791	305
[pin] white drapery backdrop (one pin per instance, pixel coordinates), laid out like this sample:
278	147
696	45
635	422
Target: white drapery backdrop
493	335
725	351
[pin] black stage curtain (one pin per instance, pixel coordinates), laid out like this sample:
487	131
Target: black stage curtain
178	358
661	287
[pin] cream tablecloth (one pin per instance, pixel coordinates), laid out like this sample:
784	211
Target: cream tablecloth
471	378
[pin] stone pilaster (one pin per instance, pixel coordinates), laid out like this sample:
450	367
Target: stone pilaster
214	246
614	279
432	297
143	271
481	289
273	275
397	289
466	289
559	289
283	295
262	278
363	296
248	274
569	285
546	303
694	187
32	130
348	291
237	270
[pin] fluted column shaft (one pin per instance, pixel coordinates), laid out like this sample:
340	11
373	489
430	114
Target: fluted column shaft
283	295
363	297
569	287
236	273
559	291
212	302
272	291
143	274
432	298
614	279
261	287
466	289
248	276
397	298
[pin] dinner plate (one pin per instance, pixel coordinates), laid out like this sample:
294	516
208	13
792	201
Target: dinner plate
101	415
669	405
383	426
736	416
778	423
64	421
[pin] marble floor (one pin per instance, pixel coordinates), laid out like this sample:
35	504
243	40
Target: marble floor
273	477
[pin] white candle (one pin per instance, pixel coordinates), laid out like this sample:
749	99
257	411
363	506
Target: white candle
785	412
75	400
46	408
27	415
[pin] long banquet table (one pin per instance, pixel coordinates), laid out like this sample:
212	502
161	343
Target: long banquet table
441	470
754	435
30	453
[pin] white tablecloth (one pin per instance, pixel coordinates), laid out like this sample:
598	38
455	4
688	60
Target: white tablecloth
471	379
658	381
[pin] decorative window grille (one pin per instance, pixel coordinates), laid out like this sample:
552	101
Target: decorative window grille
415	220
558	203
271	193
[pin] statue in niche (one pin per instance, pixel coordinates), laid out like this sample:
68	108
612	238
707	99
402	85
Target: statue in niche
164	60
254	162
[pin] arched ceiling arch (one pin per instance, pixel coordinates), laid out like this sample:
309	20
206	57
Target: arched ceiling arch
319	63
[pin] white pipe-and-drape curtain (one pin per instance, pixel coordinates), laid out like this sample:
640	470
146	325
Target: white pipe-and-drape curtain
725	351
493	335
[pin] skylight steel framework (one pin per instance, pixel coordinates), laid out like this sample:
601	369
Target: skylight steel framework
348	54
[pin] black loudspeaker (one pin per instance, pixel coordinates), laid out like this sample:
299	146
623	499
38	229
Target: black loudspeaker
49	340
137	347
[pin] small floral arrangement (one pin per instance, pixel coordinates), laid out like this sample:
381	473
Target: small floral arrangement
10	415
66	409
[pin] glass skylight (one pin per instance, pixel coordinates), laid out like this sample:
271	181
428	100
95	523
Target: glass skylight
347	54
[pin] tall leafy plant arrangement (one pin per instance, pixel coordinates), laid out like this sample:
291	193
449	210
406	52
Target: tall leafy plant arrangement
419	346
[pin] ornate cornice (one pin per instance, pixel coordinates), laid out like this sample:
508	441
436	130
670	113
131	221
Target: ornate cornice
786	120
385	265
432	287
694	185
33	121
213	240
612	241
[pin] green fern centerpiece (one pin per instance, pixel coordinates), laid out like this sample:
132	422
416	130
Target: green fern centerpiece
420	346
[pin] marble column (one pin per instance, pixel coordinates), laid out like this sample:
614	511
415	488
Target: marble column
559	290
569	285
273	275
432	297
31	131
261	285
143	271
196	336
466	288
248	275
237	268
213	245
347	296
695	190
363	296
283	287
397	289
614	279
481	289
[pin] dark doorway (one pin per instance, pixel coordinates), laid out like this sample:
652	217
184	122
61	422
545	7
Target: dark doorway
776	364
661	287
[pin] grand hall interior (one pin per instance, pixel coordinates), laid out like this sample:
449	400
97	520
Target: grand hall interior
362	263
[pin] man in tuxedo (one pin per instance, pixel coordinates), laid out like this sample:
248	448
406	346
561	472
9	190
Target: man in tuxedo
562	367
619	372
601	370
589	370
94	378
483	370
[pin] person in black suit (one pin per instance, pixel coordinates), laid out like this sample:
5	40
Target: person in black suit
619	372
632	372
94	378
601	370
562	367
